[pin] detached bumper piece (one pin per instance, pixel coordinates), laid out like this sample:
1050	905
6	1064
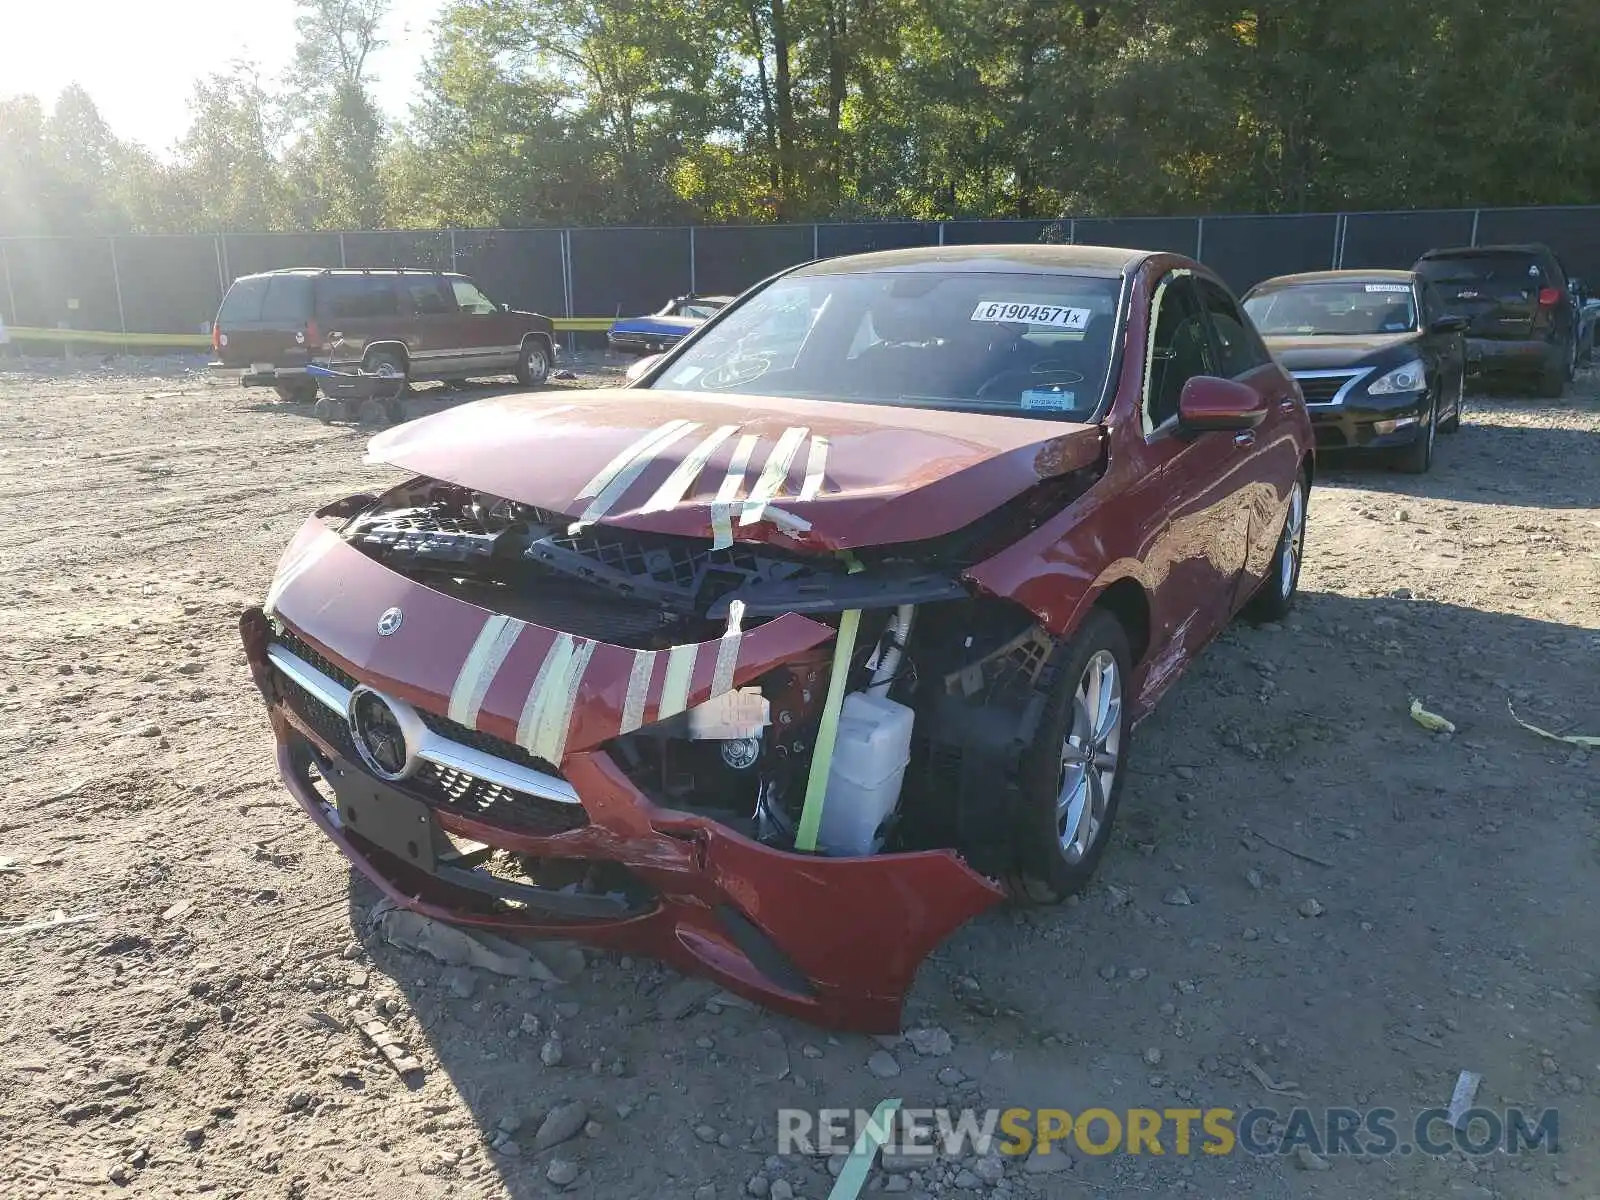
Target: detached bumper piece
480	833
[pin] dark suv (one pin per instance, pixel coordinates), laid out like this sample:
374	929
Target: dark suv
419	324
1522	309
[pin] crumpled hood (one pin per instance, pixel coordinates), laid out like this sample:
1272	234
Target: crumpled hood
1328	353
690	464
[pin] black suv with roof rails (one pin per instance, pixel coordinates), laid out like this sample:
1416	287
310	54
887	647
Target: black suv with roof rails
1521	306
417	324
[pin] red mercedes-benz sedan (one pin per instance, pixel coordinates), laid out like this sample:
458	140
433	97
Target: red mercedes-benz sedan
828	633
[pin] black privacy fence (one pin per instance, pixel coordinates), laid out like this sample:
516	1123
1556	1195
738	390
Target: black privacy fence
163	285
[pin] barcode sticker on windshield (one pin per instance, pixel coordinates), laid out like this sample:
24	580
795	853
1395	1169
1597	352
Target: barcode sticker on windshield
1388	287
1049	399
1051	315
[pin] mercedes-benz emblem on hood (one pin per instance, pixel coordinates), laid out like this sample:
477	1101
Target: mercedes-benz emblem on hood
390	621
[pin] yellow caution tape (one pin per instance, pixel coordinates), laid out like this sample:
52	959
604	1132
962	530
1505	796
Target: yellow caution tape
1571	739
90	337
1428	720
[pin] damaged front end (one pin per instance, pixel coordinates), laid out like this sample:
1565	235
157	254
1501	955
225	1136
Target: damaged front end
783	767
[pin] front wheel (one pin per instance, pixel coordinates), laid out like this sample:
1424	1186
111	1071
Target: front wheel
1072	774
1417	458
1453	422
533	364
1275	597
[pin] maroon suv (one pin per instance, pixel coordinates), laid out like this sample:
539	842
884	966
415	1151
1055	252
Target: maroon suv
418	324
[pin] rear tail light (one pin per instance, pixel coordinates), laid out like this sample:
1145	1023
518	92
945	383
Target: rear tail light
313	335
216	338
1549	297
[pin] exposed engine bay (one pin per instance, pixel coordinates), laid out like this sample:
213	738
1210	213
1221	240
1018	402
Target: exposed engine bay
939	686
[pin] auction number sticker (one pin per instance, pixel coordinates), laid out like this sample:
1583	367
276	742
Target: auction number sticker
1388	287
1051	315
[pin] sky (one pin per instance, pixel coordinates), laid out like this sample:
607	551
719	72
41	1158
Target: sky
139	59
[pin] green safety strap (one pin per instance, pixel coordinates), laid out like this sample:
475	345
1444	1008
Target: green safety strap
844	648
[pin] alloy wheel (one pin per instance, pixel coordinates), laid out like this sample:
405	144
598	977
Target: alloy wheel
1089	756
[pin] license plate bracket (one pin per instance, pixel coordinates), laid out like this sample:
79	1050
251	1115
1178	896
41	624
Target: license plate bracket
386	817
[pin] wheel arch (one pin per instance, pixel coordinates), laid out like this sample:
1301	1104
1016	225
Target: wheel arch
1126	599
540	335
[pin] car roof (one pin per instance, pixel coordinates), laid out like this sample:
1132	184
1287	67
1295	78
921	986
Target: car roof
1013	259
311	272
1476	251
1376	275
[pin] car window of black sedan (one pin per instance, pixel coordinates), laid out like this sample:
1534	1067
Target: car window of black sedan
1334	308
1029	345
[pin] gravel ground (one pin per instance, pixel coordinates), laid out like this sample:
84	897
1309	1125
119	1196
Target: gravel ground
1307	890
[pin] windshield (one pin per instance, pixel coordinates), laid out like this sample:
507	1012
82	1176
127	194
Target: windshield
1344	307
1026	345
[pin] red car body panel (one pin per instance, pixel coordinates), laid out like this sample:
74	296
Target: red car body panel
1181	528
890	474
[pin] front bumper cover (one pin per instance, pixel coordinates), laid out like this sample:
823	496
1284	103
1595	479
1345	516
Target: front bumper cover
1369	422
836	941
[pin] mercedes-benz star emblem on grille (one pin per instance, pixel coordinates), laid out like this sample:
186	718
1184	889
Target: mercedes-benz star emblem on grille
379	737
390	621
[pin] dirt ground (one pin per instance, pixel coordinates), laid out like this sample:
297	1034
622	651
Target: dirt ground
192	1033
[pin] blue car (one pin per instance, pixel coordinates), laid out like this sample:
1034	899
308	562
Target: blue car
675	320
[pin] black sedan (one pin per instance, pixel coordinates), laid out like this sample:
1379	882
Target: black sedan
1380	363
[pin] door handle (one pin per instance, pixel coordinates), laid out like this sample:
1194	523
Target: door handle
1247	438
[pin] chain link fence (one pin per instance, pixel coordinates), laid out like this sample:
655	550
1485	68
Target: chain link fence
158	286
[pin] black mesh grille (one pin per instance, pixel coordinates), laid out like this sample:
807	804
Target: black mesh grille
473	797
443	726
488	743
302	650
322	720
442	786
1321	389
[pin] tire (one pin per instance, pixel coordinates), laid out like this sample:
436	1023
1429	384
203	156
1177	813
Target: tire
1417	458
1047	868
533	362
1452	423
328	410
296	393
1553	381
1275	597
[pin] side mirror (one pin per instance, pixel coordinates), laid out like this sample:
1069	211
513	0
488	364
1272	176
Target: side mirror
1454	323
1207	402
639	367
505	308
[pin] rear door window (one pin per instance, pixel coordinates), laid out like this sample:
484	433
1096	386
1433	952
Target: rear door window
288	300
430	297
354	297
